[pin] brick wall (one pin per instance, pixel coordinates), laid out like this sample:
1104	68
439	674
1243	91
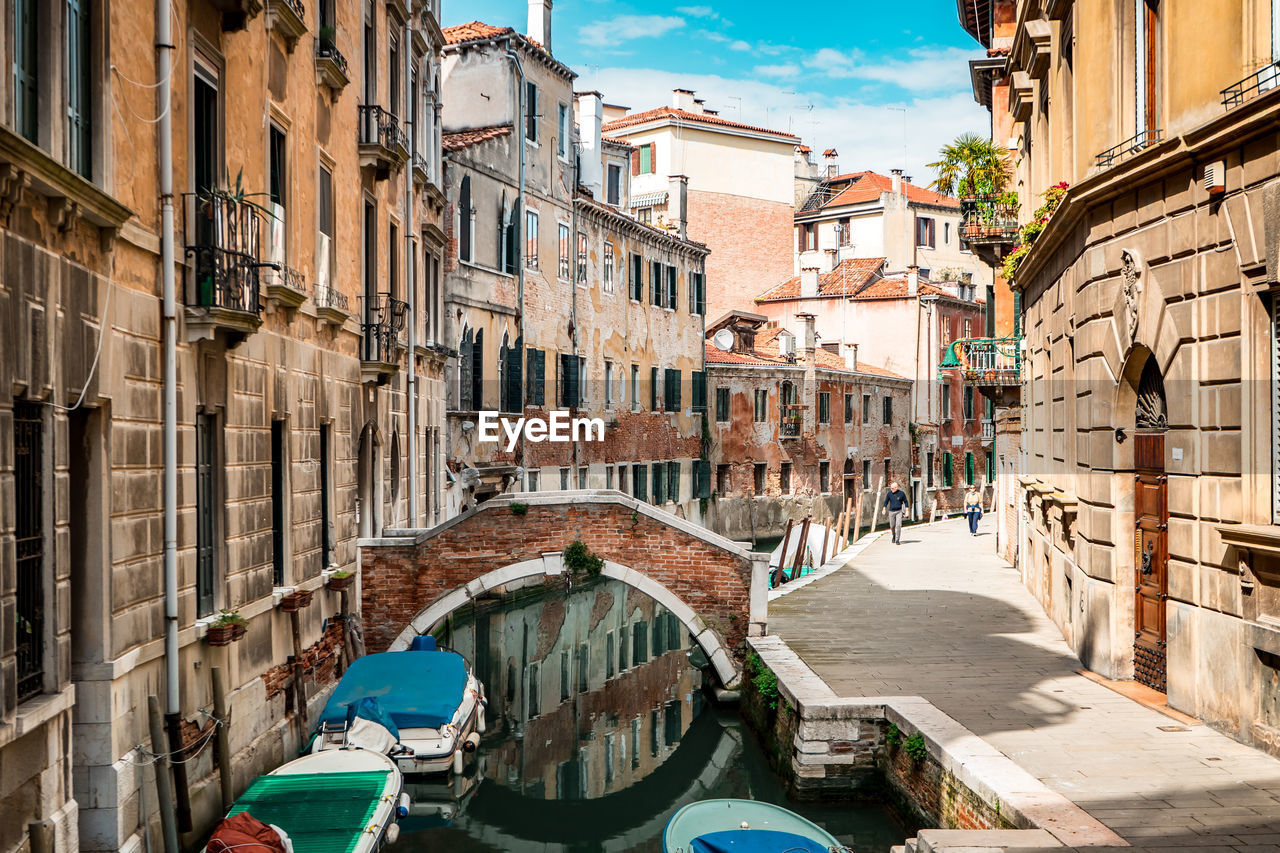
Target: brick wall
399	581
750	242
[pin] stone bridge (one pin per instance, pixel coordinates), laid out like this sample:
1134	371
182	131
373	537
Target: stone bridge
412	579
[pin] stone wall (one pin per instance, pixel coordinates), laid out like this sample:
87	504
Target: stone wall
744	261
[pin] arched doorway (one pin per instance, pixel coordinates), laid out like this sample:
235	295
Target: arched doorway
1151	520
369	483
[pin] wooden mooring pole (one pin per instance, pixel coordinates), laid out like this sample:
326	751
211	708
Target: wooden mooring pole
222	739
164	783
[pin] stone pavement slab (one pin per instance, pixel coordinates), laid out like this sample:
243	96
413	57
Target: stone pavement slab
943	618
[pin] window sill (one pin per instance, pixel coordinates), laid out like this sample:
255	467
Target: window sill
36	711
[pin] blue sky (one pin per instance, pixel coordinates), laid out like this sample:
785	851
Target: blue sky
837	80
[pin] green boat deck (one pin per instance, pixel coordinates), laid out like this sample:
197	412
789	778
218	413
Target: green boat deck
322	812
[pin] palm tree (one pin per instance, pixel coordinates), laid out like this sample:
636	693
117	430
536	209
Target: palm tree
971	166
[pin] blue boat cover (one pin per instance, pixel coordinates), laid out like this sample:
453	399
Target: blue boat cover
423	643
369	709
755	841
415	689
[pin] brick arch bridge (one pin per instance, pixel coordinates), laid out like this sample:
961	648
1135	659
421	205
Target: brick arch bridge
411	579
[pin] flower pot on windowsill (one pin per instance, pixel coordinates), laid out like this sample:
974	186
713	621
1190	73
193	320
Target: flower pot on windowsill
340	581
219	635
295	601
238	630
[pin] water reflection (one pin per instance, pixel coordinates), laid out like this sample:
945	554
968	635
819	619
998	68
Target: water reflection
598	733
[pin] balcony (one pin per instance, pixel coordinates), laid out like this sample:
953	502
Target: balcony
331	65
286	287
1133	145
421	172
289	19
792	420
989	225
223	276
384	320
992	364
331	305
988	430
1263	80
382	144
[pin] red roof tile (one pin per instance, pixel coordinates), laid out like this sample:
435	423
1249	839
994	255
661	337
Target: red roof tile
466	138
474	31
684	115
868	186
845	278
766	354
896	288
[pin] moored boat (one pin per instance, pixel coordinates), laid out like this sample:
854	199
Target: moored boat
743	826
347	799
422	707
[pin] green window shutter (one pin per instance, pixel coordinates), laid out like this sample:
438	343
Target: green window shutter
673	481
673	288
79	112
969	472
653	389
640	482
698	386
991	467
26	69
947	465
464	372
703	467
655	283
659	485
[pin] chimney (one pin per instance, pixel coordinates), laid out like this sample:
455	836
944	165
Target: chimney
897	181
539	28
677	204
682	99
808	283
808	338
831	157
590	116
851	356
699	105
913	280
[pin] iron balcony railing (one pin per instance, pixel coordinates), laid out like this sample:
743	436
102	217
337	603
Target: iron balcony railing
985	361
988	219
327	296
381	128
1138	142
1262	80
384	320
327	50
223	237
792	420
988	429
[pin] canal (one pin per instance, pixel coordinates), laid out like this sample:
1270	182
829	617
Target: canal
598	731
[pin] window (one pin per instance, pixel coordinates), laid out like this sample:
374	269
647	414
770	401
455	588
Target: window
924	232
508	236
945	391
844	233
206	129
722	405
928	469
477	370
1147	55
564	252
671	390
848	408
79	87
326	511
758	473
370	59
279	495
966	328
637	278
608	267
26	68
206	507
622	477
656	292
635	387
582	258
784	478
697	293
570	380
698	390
643	160
582	477
947	473
761	405
969	469
531	480
465	214
659	482
990	406
613	185
888	409
701	480
673	290
807	237
824	407
946	233
886	472
866	474
824	476
531	239
394	65
562	131
531	112
564	479
326	246
536	377
722	479
991	467
393	261
653	389
608	484
29	459
640	483
866	408
608	384
510	382
968	402
673	482
277	192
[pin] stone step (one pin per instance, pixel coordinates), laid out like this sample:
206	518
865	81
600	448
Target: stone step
943	840
912	845
898	848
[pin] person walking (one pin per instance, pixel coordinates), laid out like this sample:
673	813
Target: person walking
896	502
973	509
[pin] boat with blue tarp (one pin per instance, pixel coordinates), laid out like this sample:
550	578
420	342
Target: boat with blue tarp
743	826
422	707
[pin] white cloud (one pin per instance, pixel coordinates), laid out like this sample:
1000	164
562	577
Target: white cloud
698	11
867	133
786	69
740	46
924	69
627	28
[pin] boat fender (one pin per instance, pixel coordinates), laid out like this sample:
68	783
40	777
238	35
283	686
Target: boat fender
480	727
472	741
458	758
393	833
402	808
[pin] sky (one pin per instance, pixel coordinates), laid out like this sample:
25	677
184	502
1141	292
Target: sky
881	82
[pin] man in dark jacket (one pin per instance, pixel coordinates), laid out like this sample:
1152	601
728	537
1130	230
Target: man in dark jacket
895	500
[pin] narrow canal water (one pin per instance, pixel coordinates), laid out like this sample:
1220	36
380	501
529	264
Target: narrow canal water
598	731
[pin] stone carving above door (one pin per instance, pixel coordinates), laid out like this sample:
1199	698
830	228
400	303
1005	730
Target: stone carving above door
1132	269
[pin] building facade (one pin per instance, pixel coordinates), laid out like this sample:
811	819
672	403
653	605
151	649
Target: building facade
797	428
1149	493
307	209
560	300
691	165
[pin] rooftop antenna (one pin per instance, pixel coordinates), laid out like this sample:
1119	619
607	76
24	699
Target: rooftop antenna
739	100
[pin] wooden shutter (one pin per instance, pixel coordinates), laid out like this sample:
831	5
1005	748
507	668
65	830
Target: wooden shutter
464	219
653	389
512	378
673	481
702	476
947	469
464	373
477	370
698	387
673	288
655	283
635	163
640	482
659	482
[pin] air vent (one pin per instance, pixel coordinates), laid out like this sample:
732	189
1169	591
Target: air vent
1215	178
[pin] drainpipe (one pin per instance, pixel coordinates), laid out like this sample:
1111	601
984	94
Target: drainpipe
164	132
520	259
412	390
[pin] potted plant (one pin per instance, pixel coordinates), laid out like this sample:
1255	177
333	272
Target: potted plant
295	600
222	631
341	579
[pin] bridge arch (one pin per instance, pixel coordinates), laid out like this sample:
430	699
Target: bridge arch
411	579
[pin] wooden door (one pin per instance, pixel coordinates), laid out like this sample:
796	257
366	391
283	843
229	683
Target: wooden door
1151	561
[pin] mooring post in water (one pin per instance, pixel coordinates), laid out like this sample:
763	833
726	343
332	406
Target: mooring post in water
779	573
844	528
875	512
182	795
40	835
801	543
857	516
751	516
299	682
164	785
222	739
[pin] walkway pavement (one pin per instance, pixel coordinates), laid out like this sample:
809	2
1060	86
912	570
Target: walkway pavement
941	617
